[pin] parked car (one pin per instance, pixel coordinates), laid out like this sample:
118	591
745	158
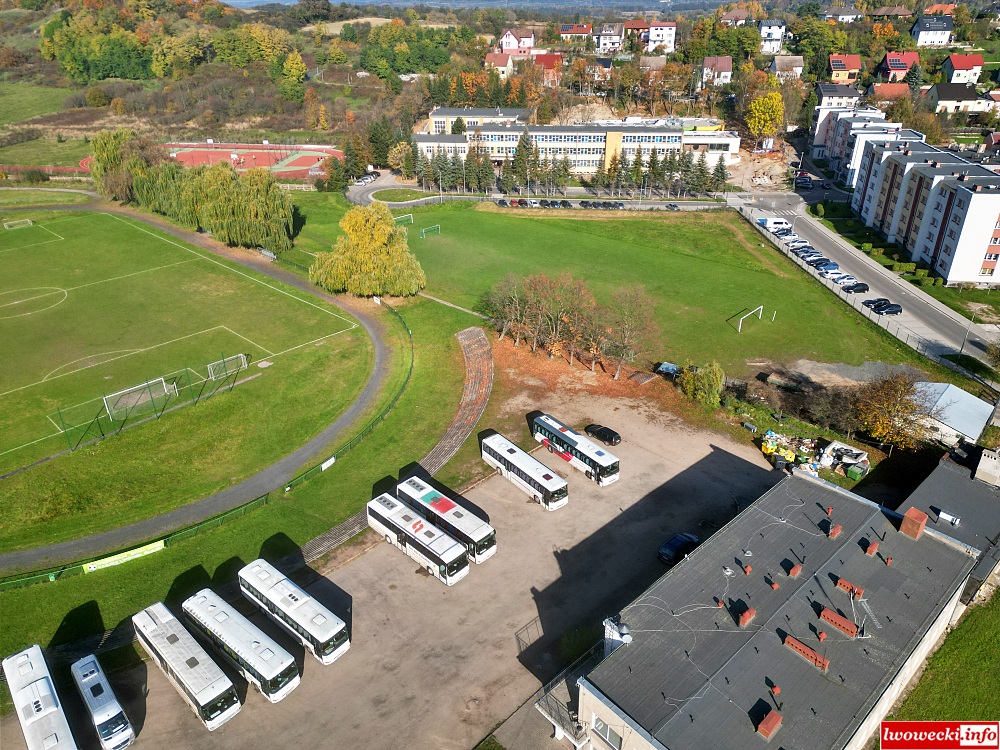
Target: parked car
605	434
522	203
832	274
798	242
678	547
845	280
532	203
673	207
858	288
889	310
803	250
584	204
827	185
881	306
817	261
565	204
360	183
789	237
804	184
375	174
828	266
502	203
619	205
544	203
875	301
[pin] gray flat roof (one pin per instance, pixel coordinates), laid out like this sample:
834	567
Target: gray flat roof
958	409
693	679
478	112
951	488
440	138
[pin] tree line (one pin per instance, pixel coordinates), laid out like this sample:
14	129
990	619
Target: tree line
240	209
561	316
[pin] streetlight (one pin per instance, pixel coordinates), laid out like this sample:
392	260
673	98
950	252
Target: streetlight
440	187
967	330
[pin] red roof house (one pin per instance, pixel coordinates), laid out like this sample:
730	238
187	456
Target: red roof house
895	65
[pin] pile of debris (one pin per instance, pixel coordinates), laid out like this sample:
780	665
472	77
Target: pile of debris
787	449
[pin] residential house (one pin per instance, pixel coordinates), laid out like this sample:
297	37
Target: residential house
831	98
884	93
552	66
772	34
787	67
891	11
963	68
502	63
717	71
609	37
575	32
638	30
932	31
953	414
895	65
844	68
841	15
662	34
517	40
735	17
442	119
600	68
940	9
957	97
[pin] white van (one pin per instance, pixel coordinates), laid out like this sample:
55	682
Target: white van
112	725
773	225
534	204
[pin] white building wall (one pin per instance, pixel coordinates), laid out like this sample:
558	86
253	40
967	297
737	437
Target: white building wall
662	36
974	233
933	38
965	76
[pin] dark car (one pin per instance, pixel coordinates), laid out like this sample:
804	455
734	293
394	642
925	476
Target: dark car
607	205
605	434
856	288
876	302
891	309
673	207
584	204
543	203
619	205
502	203
678	547
565	204
522	203
827	185
821	261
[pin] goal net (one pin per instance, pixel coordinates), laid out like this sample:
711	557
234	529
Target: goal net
436	229
139	399
404	219
226	367
17	224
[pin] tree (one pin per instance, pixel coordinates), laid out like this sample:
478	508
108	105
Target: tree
336	54
336	175
719	175
993	352
310	105
322	121
458	127
292	75
397	155
371	258
765	114
808	110
914	77
701	177
630	323
702	384
892	410
348	34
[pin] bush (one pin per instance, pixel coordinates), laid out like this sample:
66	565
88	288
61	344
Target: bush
904	267
939	281
35	177
921	273
866	247
97	97
820	211
925	282
878	250
118	106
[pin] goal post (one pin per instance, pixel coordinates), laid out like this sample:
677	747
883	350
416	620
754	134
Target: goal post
227	366
758	311
18	224
142	398
405	218
436	229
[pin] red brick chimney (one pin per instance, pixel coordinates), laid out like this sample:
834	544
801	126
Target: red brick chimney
770	725
913	523
747	617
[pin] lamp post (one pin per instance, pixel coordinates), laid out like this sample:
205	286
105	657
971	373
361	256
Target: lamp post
967	330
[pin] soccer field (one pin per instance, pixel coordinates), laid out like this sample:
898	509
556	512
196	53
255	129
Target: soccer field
94	304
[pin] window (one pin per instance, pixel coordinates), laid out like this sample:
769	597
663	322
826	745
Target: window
992	256
995	240
984	271
606	733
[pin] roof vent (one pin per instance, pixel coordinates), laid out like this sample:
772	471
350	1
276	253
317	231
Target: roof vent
813	657
795	571
835	530
856	591
988	470
913	523
747	617
769	725
840	622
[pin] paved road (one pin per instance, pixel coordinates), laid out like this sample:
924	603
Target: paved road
264	481
438	667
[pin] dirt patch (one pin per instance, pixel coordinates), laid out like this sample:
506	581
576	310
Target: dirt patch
583	113
984	313
832	375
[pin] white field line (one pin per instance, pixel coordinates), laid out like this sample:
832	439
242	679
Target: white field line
58	428
125	352
55	290
321	338
33	244
42	226
136	273
25	445
233	270
254	343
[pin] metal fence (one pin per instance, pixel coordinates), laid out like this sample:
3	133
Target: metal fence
77	568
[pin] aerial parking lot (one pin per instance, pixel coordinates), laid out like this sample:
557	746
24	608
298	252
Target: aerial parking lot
441	666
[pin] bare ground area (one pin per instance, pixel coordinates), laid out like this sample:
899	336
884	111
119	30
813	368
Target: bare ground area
832	375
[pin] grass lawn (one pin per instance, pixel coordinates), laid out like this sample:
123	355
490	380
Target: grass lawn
700	268
965	301
20	102
10	198
45	152
68	609
400	194
91	304
318	216
973	365
961	681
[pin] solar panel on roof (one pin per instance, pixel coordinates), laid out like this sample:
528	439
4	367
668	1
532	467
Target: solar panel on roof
838	65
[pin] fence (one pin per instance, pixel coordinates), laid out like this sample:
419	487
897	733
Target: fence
77	568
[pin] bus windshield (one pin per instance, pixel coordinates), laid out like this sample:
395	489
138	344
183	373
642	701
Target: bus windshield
484	544
220	704
112	726
610	471
275	684
338	640
457	565
558	494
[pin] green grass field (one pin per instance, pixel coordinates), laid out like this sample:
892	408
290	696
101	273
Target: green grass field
19	102
10	198
91	304
700	268
45	152
400	194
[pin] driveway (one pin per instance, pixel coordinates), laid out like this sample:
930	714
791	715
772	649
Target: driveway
438	667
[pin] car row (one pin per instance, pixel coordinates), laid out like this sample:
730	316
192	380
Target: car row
367	179
531	203
882	306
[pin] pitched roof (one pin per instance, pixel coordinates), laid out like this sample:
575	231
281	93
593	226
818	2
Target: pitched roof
788	63
892	10
772	22
950	405
884	92
722	64
933	23
663	25
692	671
552	61
519	33
837	89
576	29
834	12
849	62
736	14
636	25
965	62
901	60
942	9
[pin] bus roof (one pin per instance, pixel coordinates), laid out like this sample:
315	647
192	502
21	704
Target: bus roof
463	519
539	471
578	441
429	535
95	689
248	641
301	607
36	701
188	661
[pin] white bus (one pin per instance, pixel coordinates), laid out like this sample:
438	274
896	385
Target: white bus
443	557
36	702
259	657
106	714
577	450
198	679
319	630
530	475
479	538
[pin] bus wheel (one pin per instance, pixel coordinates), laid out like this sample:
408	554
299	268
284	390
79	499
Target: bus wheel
590	475
549	446
388	539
